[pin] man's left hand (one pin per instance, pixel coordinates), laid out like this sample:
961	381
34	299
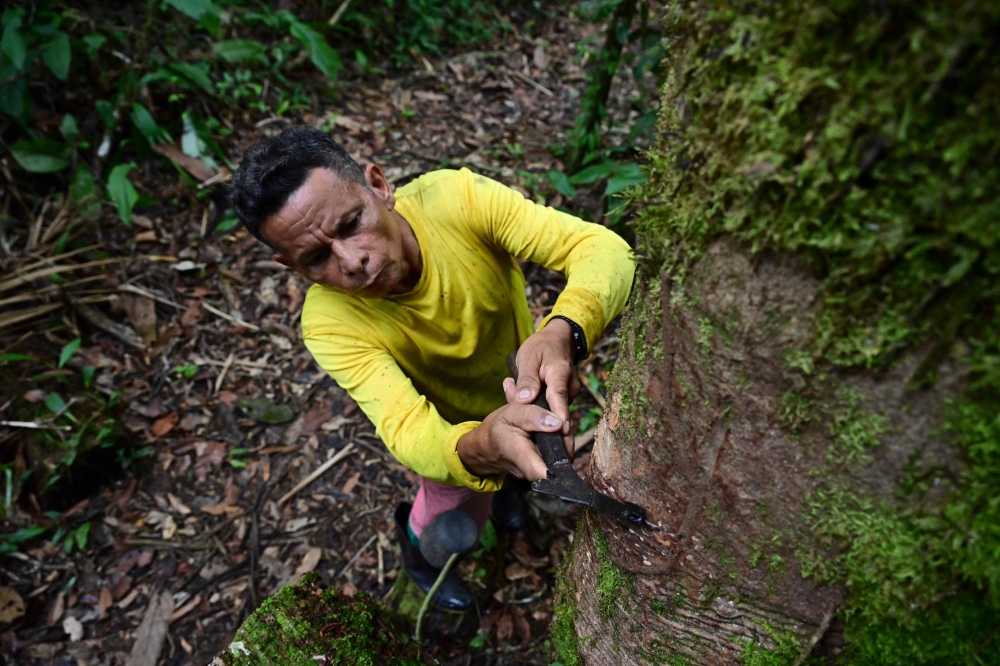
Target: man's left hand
547	357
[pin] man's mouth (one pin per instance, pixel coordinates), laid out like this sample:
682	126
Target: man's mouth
374	281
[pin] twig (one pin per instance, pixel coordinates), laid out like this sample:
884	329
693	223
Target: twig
138	291
235	320
340	12
357	555
343	453
432	592
531	82
255	538
597	396
222	373
824	625
33	425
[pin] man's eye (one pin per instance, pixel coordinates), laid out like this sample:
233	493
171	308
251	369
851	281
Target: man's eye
318	258
351	226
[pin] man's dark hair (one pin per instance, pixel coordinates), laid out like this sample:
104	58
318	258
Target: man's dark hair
274	168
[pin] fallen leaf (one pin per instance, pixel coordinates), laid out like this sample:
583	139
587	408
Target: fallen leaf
221	508
228	398
129	598
517	571
192	315
168	528
73	628
349	589
145	237
523	628
11	605
165	424
35	395
266	411
141	312
192	165
505	628
309	561
351	483
104	602
178	505
152	632
56	612
186	608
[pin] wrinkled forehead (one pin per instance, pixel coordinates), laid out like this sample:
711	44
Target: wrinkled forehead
322	200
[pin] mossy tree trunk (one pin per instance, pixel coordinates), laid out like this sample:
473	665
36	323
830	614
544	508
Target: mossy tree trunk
807	394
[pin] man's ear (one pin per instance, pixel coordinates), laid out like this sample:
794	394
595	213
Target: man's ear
379	185
283	260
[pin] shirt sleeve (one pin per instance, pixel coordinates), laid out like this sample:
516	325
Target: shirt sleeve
598	264
411	427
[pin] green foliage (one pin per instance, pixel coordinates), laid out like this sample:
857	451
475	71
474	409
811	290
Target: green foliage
785	653
612	581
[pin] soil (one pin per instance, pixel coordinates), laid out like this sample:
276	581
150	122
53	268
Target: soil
198	513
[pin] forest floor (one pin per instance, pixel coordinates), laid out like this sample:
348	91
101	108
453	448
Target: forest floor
225	411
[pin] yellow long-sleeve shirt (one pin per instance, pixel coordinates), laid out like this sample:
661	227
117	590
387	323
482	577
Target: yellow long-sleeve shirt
428	366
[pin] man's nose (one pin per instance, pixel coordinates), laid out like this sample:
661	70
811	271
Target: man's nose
352	260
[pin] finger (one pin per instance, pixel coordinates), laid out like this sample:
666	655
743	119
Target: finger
570	442
528	382
509	390
557	378
531	418
523	455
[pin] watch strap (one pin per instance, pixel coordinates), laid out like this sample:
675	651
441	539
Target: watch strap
578	340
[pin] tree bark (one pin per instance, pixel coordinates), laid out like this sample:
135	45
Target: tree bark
698	431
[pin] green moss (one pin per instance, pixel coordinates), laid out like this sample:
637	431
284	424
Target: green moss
612	581
563	627
861	136
786	650
304	621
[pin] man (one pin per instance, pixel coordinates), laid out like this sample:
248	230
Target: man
417	302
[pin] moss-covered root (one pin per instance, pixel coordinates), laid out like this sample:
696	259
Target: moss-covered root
308	624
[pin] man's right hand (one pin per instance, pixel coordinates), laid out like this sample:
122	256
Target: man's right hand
502	444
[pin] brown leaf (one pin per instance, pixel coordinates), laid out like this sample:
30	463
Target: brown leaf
153	631
56	612
219	509
192	165
192	315
145	237
228	398
35	395
309	561
105	601
351	483
523	628
165	424
505	627
516	571
141	312
11	605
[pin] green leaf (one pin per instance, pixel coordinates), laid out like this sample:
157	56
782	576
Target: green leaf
12	43
146	124
195	74
188	371
93	43
561	183
83	186
88	376
122	192
57	55
196	9
227	224
488	539
238	50
14	100
12	357
41	155
592	174
477	641
265	410
69	128
322	55
625	177
107	112
55	403
81	535
67	351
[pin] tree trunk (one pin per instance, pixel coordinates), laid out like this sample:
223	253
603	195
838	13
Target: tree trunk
805	401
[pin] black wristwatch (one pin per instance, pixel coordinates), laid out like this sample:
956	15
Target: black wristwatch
579	340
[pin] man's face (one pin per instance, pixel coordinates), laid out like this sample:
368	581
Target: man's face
340	234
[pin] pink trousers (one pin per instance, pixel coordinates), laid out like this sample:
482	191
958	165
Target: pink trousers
435	498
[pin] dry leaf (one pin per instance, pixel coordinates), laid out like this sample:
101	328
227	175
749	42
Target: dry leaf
169	528
517	571
523	628
104	602
505	628
11	605
351	483
177	505
309	561
56	612
220	508
142	313
165	424
35	395
73	628
192	165
152	632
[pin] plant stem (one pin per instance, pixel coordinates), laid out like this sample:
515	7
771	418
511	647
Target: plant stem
431	593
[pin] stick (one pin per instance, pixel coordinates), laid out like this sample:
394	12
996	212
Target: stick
531	82
231	318
343	453
340	12
222	373
431	593
356	555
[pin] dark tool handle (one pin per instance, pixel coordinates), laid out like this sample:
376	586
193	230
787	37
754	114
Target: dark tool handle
550	444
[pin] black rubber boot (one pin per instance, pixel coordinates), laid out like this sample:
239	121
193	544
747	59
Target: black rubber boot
509	504
453	593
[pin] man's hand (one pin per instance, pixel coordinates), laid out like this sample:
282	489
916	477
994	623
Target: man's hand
501	444
546	357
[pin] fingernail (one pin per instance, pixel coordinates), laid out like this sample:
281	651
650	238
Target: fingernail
523	395
551	422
